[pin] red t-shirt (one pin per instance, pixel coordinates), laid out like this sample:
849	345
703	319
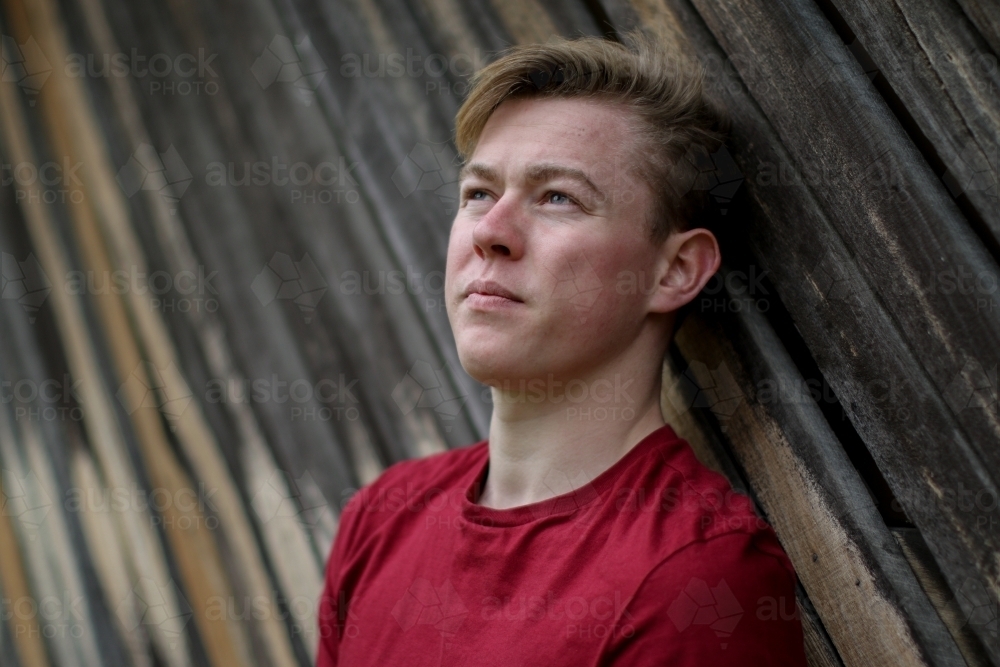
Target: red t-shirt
656	561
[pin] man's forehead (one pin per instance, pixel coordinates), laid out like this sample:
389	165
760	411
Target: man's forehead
529	137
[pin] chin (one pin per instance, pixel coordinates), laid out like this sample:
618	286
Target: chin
485	367
490	362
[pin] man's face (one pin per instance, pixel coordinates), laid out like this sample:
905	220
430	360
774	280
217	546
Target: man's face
550	215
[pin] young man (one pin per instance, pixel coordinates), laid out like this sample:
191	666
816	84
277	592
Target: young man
584	531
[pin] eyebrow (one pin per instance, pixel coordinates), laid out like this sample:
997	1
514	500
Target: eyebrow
534	173
479	169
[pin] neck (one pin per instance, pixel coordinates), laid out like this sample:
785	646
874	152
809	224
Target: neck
548	436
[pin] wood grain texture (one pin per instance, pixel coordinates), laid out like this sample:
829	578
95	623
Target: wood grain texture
854	340
190	426
934	584
985	15
103	429
111	560
847	218
847	560
877	191
697	430
947	81
26	644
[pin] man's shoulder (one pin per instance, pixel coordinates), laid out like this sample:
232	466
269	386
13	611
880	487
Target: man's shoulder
717	575
688	503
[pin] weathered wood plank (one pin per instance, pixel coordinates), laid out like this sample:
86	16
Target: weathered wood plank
110	558
379	121
8	652
934	584
895	216
265	343
819	650
37	527
366	327
848	561
286	543
854	340
190	428
103	430
47	426
985	15
193	543
27	636
948	82
692	425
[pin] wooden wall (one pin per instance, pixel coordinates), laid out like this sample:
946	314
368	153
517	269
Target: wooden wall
177	438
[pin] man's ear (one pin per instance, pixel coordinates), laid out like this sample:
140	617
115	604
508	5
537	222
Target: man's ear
687	261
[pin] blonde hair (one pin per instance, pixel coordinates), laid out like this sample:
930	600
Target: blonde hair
673	119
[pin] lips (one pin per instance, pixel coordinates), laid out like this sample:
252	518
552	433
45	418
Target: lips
490	288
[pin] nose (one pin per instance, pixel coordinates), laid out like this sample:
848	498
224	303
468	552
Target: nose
498	234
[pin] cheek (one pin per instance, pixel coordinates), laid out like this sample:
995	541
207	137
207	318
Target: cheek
582	288
458	249
627	278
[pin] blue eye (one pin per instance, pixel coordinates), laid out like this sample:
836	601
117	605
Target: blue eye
559	198
477	194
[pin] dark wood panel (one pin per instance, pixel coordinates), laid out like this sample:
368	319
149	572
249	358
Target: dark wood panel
853	338
847	559
894	215
946	79
986	17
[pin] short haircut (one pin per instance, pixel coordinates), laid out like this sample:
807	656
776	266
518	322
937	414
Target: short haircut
675	126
